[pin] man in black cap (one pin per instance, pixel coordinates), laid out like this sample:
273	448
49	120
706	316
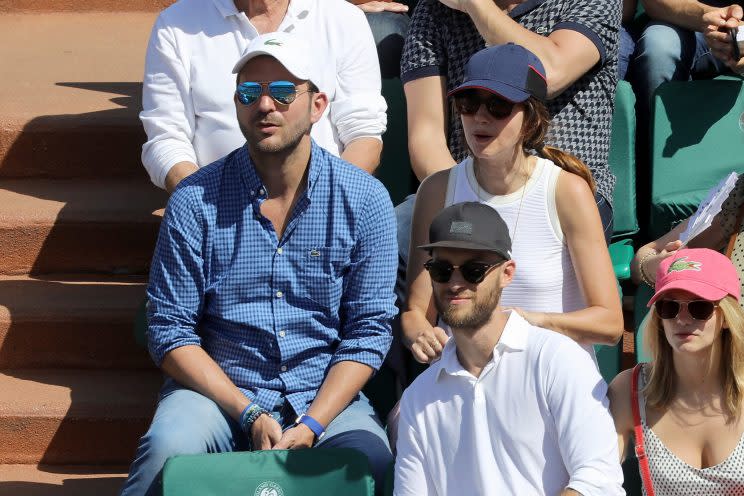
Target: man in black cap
510	408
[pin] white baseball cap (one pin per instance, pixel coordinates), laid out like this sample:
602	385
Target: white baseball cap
284	47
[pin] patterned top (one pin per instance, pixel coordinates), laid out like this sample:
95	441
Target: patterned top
728	218
671	476
275	314
441	40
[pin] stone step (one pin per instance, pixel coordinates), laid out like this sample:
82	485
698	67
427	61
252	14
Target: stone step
58	226
70	323
56	480
83	6
73	417
71	93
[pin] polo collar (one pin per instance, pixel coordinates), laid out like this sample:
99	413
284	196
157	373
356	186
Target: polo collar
295	10
513	338
525	7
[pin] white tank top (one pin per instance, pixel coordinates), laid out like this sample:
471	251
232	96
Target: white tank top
545	280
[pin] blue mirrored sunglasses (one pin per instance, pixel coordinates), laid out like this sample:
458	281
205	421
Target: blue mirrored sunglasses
282	92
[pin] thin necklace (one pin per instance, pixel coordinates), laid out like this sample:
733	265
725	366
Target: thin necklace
521	197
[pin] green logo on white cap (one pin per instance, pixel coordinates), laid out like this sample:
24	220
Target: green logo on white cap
273	42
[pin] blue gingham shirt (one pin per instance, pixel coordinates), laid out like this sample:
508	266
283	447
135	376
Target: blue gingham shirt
275	314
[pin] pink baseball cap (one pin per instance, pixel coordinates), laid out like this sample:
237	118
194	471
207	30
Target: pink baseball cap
705	273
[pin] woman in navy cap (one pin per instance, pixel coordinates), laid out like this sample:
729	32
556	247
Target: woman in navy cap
564	279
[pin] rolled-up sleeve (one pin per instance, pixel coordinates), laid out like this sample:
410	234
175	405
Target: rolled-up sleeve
577	399
358	108
167	110
368	302
176	288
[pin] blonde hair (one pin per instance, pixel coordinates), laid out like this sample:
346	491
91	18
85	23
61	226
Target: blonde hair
659	391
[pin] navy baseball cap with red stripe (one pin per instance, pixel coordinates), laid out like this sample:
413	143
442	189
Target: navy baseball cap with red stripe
510	71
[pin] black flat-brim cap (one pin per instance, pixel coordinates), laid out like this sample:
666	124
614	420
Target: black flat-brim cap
470	226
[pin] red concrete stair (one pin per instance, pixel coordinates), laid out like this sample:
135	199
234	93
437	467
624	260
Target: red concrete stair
56	480
68	417
70	94
70	323
56	226
83	5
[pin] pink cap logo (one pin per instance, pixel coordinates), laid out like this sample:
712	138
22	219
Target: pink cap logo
681	264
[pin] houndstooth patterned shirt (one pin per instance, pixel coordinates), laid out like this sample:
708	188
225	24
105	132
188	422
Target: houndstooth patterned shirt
275	314
441	40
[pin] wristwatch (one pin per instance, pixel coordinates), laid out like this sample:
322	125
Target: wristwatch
312	424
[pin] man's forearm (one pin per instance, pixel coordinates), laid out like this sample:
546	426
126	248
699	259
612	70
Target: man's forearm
685	13
341	385
570	492
364	153
193	368
177	173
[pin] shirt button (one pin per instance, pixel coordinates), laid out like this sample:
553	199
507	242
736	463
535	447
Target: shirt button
279	294
261	191
253	193
279	250
283	368
282	334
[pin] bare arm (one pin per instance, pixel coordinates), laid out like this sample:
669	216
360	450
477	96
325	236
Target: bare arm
417	321
566	54
364	153
620	407
685	13
601	322
569	492
177	173
427	126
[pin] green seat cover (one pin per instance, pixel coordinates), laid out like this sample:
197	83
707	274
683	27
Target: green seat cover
696	140
395	165
622	162
331	472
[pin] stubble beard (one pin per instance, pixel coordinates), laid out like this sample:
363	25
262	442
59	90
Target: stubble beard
476	318
295	134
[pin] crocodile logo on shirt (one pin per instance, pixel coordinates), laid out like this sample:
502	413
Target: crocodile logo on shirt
273	42
682	264
269	488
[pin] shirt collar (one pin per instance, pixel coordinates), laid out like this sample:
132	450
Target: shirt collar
513	338
253	181
295	10
525	7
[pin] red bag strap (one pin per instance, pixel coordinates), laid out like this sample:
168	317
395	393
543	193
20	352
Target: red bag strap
640	451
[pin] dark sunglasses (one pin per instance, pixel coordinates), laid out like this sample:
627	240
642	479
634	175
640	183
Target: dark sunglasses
283	92
472	271
697	309
468	102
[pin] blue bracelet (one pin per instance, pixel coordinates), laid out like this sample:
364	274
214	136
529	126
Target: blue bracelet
312	424
249	416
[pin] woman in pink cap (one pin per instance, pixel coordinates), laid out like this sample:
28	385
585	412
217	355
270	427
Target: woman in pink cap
684	409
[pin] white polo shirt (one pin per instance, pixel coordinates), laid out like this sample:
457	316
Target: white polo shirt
187	97
535	422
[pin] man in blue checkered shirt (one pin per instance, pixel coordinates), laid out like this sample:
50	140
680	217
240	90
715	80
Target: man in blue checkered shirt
271	288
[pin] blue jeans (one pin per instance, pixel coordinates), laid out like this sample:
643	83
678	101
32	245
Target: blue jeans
624	53
188	423
665	52
389	31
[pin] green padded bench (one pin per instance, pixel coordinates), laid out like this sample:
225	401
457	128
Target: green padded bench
697	138
395	165
327	472
622	164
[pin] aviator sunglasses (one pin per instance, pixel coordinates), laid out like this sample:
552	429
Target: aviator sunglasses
282	92
472	271
697	309
468	102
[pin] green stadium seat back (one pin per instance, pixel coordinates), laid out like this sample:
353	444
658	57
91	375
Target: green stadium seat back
621	254
697	138
395	165
337	472
622	162
640	312
608	359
